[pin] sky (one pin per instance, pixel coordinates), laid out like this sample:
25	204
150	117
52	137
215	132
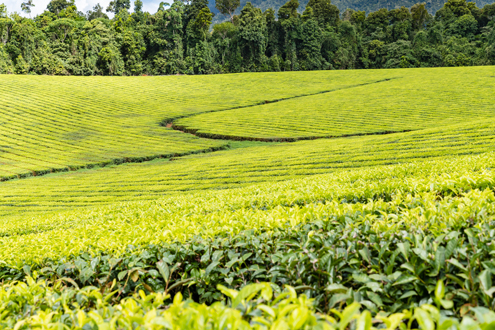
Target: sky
82	5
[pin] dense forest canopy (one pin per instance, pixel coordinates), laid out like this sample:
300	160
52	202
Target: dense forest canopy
359	5
178	38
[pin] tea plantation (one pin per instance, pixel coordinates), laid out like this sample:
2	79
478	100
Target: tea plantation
417	99
52	124
188	203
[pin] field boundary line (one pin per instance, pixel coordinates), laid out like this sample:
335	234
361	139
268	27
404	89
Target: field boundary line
277	139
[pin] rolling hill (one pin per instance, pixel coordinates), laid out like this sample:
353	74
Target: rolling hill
297	200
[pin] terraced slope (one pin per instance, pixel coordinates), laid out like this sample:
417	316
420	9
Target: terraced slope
418	99
238	167
55	123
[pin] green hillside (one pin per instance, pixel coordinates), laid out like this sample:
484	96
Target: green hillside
363	5
111	217
238	167
52	124
416	100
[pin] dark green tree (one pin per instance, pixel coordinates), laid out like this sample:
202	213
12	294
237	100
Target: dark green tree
252	34
311	41
227	7
419	16
289	20
116	6
376	23
223	35
458	7
138	15
400	27
324	12
197	29
465	26
347	54
288	10
193	8
56	6
357	19
274	37
97	12
166	40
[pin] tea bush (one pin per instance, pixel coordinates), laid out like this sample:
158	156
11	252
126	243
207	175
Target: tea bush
37	305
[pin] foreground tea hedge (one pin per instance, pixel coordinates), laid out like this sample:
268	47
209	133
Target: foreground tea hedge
336	262
35	305
382	237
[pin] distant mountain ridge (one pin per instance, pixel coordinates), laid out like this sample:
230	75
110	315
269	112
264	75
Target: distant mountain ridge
367	5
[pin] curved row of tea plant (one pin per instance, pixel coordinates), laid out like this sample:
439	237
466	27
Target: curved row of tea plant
61	123
41	306
387	222
238	168
100	121
178	218
418	99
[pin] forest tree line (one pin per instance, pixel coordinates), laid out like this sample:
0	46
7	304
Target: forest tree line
179	39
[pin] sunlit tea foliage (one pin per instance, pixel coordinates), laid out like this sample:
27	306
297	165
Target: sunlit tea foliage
143	226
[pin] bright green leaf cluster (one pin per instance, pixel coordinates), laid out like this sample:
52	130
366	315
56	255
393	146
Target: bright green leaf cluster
37	305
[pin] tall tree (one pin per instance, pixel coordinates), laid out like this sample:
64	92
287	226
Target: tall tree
400	24
138	6
203	21
97	12
311	37
252	33
324	12
458	7
288	10
348	50
419	16
138	14
5	25
192	10
227	7
197	19
26	7
289	20
376	23
61	28
117	5
56	6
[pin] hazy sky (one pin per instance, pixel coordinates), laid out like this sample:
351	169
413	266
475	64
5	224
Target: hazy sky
82	5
